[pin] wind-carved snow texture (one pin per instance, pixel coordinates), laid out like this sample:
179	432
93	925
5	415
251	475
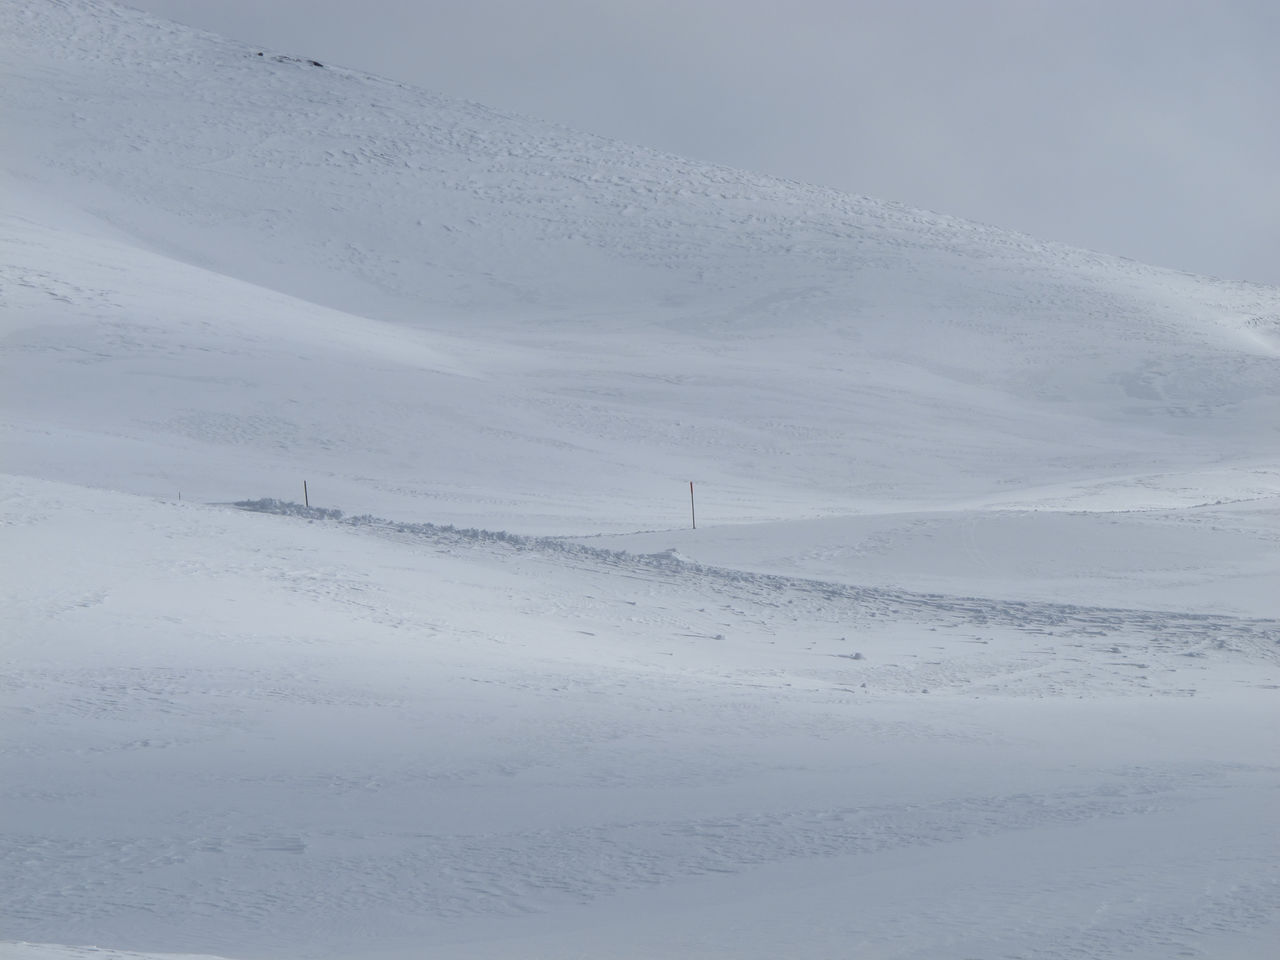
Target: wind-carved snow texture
973	653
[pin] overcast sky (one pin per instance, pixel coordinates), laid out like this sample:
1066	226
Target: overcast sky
1145	128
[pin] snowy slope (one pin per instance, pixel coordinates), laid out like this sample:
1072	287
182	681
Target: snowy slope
258	736
596	311
974	653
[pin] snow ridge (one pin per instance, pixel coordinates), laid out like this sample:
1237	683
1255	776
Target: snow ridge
1185	634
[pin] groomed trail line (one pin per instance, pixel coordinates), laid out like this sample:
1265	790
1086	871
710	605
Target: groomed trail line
1189	634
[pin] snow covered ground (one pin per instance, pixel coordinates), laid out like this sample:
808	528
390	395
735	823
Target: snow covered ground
975	651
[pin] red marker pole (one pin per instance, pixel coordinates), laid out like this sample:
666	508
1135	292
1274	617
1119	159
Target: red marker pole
692	514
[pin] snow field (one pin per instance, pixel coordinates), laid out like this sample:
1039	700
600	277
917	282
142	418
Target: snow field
973	655
305	737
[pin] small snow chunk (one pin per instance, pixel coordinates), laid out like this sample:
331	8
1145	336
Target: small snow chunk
671	553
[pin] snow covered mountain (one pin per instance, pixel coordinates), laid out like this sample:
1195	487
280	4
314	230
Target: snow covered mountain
978	635
586	309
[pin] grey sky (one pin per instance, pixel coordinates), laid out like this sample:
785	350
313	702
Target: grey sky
1146	129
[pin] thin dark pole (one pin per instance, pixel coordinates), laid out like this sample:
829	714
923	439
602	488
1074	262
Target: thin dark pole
306	501
692	513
